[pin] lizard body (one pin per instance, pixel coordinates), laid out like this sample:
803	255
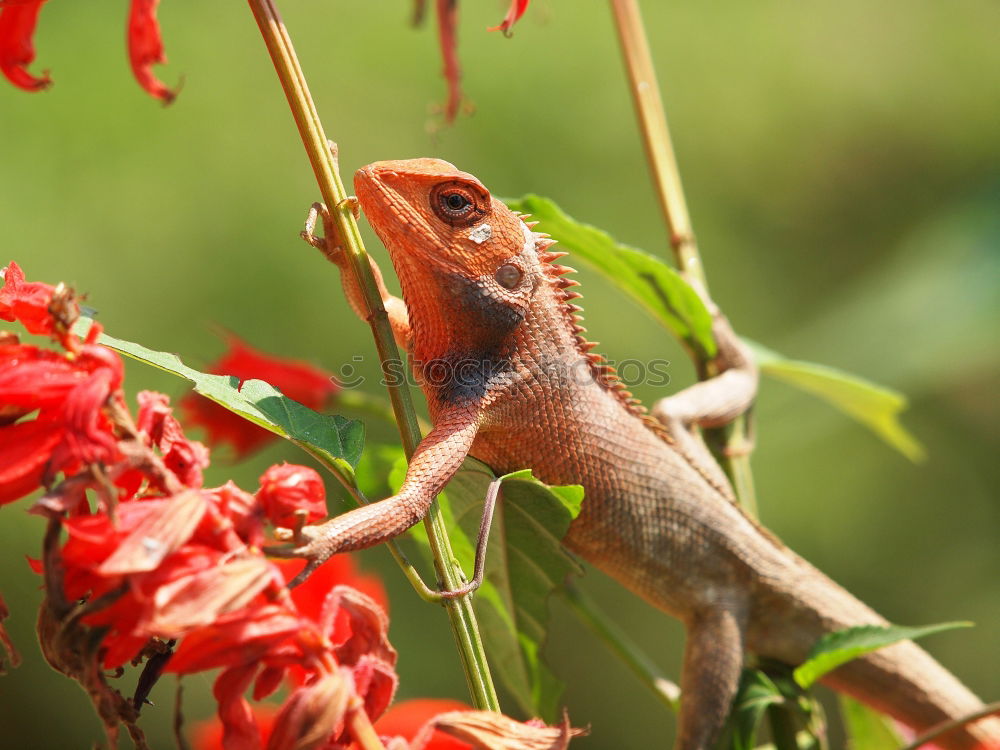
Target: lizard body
496	342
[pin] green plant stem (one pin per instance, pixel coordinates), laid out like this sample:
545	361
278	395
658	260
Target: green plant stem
460	613
615	639
652	118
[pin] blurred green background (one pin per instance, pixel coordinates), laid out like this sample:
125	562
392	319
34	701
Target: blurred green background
842	165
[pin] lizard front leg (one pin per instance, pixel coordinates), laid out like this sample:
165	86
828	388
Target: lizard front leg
399	317
435	461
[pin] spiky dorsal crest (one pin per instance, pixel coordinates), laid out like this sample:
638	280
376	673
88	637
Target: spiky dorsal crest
601	371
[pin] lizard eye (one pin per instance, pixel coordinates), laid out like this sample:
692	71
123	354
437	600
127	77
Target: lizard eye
458	204
509	276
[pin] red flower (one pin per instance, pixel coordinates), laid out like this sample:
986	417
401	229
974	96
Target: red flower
27	302
186	458
17	26
287	489
514	13
145	48
298	380
69	394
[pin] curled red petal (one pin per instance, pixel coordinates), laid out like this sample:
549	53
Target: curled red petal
514	13
311	713
17	26
357	626
375	683
447	17
145	48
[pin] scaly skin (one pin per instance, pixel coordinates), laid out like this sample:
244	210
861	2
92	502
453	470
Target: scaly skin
508	378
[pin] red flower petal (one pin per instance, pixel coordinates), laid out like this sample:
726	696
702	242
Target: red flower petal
376	683
298	380
145	48
514	13
310	596
407	718
243	512
360	626
239	727
185	458
168	524
25	450
17	26
32	378
198	600
207	735
237	639
286	489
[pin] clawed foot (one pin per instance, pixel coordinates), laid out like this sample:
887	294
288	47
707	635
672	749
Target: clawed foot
310	543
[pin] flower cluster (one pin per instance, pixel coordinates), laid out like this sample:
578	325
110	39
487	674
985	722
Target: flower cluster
152	557
144	564
18	19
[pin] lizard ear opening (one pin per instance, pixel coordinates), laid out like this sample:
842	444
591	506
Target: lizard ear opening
509	276
459	203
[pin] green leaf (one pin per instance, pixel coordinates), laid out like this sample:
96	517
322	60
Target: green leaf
645	278
840	647
675	304
874	406
333	439
757	692
867	729
525	563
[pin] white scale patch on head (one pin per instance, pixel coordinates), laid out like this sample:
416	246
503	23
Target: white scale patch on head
481	233
529	238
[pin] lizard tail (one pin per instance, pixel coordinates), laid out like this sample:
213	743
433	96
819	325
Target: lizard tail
902	680
905	682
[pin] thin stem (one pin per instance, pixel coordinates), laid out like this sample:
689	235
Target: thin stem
282	52
666	175
946	726
615	639
656	137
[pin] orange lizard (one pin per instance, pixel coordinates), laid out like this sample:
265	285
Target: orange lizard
493	335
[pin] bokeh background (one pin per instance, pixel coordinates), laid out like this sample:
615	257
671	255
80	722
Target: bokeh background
842	165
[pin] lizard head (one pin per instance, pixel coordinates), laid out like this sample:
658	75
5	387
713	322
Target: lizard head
465	261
